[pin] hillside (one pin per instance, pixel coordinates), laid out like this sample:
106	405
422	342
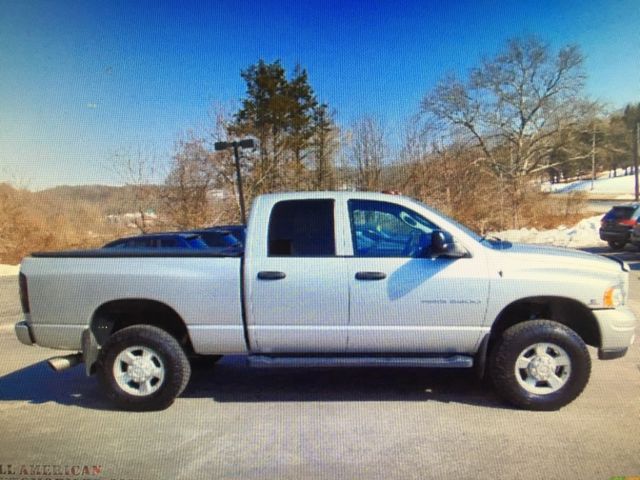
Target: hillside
106	199
59	218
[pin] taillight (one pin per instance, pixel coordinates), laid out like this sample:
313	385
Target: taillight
628	223
24	292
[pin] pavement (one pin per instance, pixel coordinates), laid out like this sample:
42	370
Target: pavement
234	422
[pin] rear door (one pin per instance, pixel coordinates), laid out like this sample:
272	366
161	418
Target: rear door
298	298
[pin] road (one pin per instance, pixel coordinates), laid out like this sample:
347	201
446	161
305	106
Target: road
238	423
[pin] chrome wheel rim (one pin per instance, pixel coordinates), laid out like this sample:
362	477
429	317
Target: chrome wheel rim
543	368
138	371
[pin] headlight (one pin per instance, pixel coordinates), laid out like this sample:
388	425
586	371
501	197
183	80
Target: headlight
613	297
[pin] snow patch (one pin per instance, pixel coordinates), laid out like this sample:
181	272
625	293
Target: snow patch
621	186
6	270
583	234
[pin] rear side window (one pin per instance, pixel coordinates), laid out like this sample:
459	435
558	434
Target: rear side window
137	243
197	242
302	228
168	243
219	239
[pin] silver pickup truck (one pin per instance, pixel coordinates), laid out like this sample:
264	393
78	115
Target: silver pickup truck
333	279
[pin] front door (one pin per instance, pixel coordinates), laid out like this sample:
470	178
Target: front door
402	300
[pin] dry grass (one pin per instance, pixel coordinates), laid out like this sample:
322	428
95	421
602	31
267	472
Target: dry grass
474	196
30	223
545	211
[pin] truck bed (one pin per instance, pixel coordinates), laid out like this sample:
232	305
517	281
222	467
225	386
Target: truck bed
69	289
142	252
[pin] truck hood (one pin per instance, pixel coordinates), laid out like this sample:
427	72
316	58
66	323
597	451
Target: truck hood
558	257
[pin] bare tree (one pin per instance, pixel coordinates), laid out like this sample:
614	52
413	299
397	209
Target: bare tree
516	109
138	171
520	100
188	185
406	173
324	146
223	164
368	150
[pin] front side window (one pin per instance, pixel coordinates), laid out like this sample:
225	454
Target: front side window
382	229
302	228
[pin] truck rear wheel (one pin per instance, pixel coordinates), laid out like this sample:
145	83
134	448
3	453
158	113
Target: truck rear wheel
143	367
540	365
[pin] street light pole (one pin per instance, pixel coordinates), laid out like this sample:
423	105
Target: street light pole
246	143
239	175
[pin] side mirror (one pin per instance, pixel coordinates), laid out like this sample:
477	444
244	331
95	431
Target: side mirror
440	247
438	243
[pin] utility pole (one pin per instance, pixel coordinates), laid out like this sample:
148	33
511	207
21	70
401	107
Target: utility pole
635	157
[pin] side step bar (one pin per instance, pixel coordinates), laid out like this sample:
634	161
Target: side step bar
453	361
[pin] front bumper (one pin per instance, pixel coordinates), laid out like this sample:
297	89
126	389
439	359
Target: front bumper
23	332
617	331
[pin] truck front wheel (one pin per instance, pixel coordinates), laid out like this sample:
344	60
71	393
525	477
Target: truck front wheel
616	245
142	367
539	365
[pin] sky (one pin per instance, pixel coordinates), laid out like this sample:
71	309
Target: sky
81	81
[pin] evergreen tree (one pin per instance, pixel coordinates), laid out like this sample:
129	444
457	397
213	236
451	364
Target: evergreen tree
278	113
324	145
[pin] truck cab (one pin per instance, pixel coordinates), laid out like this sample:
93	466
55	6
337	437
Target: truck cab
359	273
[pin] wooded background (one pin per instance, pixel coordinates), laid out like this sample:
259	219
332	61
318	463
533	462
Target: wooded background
478	149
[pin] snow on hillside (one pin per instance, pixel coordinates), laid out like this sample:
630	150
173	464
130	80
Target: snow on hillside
621	186
583	234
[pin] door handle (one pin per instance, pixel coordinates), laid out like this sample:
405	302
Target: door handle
271	275
371	276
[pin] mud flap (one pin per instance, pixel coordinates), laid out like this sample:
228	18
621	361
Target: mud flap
480	358
90	350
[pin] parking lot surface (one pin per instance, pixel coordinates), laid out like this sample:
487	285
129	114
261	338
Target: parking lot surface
236	422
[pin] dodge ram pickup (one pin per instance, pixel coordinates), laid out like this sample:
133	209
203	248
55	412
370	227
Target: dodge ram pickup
330	279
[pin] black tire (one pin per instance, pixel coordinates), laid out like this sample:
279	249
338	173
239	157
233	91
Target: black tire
523	388
161	352
616	245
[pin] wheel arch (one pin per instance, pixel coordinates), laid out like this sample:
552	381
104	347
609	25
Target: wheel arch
567	311
115	315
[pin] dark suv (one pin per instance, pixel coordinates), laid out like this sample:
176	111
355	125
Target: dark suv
218	237
616	225
160	240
